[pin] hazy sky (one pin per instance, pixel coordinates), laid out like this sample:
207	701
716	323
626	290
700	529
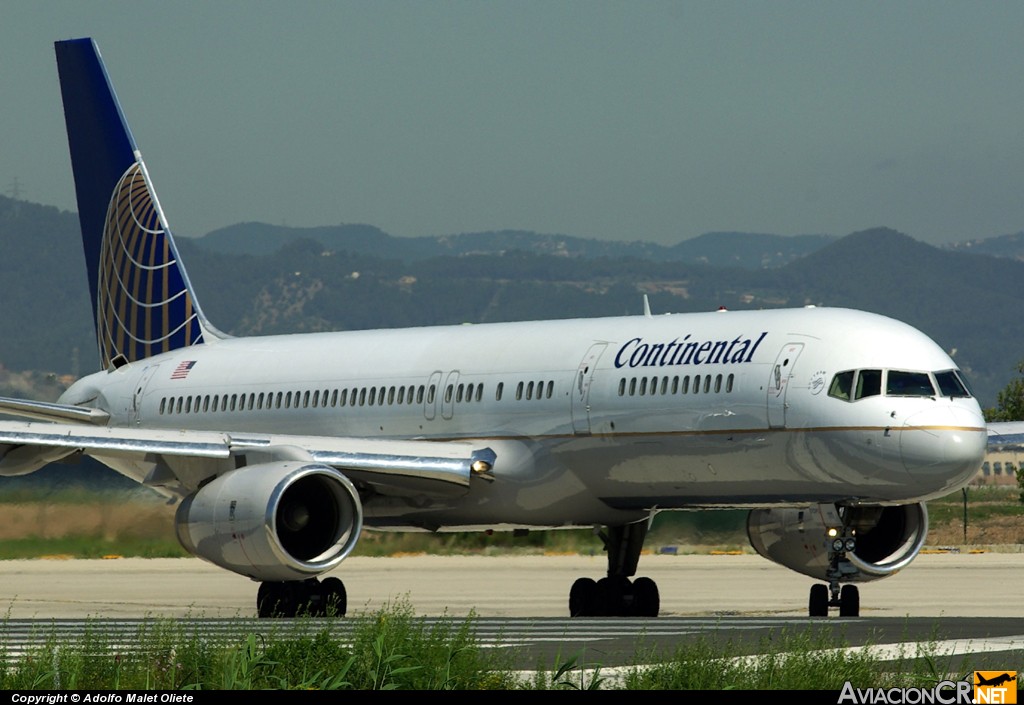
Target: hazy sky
636	120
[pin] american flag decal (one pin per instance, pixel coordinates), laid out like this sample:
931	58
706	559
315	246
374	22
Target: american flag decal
182	370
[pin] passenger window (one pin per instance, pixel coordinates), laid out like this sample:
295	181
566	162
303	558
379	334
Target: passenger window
841	385
696	384
869	384
728	383
908	384
498	390
686	385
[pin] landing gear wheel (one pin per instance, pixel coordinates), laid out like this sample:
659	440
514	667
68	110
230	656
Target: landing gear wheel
818	603
583	598
849	601
612	594
275	600
302	598
265	600
335	599
646	600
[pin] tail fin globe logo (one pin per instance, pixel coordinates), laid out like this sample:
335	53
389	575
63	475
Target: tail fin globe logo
144	306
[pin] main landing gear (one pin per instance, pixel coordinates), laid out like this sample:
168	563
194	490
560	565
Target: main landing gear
302	598
616	595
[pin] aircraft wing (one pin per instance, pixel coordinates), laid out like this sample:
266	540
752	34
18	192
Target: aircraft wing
176	462
49	411
1006	435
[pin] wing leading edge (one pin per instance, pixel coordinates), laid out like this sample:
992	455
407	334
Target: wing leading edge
177	462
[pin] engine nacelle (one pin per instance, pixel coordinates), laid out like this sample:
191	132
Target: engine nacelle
887	538
278	521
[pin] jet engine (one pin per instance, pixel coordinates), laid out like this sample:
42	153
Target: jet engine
278	521
872	542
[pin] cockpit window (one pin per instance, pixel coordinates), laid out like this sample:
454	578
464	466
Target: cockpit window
908	384
869	384
842	385
950	384
898	383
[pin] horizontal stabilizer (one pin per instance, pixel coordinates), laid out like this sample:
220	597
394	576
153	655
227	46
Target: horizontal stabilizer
1006	435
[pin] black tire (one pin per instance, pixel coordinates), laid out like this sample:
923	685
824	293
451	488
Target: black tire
611	596
849	601
583	598
272	600
817	606
646	600
335	599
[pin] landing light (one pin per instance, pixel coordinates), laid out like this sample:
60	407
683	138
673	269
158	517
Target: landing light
833	532
837	545
480	467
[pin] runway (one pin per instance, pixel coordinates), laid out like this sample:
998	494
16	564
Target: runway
966	603
934	585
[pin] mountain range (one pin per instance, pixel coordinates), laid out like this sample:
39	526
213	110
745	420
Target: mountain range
254	278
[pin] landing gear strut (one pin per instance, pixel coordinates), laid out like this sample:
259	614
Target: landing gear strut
615	595
301	598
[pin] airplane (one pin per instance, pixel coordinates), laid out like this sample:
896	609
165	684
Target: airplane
994	681
832	426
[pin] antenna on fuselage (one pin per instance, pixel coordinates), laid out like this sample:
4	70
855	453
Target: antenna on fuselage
647	307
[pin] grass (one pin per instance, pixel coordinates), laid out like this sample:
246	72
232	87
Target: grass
393	649
984	502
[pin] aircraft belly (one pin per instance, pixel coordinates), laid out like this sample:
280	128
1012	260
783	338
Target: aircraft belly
601	480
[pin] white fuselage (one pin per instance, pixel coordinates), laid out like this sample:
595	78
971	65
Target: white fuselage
592	420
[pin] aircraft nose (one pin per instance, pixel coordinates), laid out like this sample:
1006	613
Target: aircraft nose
943	447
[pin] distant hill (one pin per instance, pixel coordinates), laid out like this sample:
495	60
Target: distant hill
1011	246
722	249
257	279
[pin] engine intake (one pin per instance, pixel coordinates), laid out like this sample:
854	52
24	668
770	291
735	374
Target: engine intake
888	538
278	521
